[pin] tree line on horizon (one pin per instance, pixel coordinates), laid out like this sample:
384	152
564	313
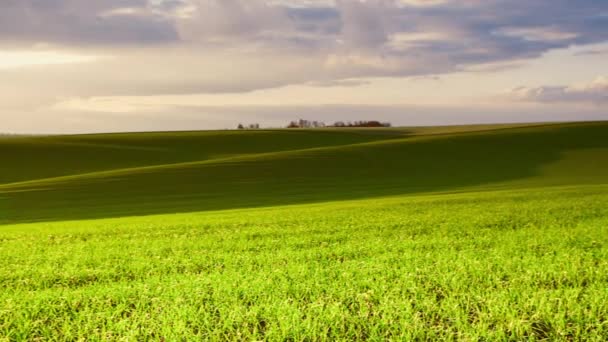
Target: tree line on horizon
319	124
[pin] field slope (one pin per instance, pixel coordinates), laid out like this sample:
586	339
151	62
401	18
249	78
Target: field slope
127	175
473	233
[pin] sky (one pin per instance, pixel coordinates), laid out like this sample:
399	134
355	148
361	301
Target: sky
76	66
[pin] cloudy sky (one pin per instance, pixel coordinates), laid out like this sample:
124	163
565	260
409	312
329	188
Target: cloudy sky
129	65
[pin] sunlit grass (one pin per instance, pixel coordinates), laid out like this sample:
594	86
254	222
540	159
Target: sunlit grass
494	266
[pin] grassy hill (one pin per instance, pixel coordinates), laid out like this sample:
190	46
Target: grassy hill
495	266
472	233
35	157
97	176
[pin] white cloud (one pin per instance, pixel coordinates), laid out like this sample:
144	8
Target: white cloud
404	41
29	58
595	92
537	34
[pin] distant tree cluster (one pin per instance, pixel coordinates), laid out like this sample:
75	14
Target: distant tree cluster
250	126
306	124
317	124
362	124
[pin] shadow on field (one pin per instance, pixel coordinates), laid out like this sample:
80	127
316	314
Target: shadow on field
396	167
36	157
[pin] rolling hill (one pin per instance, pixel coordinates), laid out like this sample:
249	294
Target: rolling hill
472	233
59	178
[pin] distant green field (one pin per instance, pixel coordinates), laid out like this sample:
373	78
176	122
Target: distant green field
117	175
451	233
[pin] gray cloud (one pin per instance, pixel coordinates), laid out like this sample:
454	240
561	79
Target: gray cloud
267	43
90	22
212	21
473	30
365	24
404	38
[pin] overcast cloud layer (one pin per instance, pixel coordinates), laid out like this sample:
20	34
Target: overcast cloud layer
56	51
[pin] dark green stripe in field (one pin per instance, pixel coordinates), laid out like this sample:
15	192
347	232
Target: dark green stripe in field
28	158
138	174
37	157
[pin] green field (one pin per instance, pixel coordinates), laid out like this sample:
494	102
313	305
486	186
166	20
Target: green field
449	233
